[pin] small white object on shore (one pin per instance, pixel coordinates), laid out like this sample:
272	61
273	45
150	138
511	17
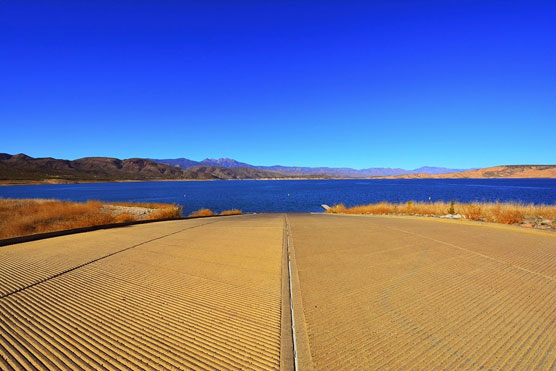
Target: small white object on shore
325	207
451	216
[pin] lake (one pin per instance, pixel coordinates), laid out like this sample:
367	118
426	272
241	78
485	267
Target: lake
295	195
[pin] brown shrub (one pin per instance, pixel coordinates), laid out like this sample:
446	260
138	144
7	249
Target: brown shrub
30	216
507	215
231	212
472	211
338	209
202	212
124	218
170	212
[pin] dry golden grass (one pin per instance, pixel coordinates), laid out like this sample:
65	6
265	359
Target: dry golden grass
29	216
231	212
172	211
148	205
202	212
505	213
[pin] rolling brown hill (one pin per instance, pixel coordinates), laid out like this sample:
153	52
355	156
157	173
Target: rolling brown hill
505	171
23	168
219	172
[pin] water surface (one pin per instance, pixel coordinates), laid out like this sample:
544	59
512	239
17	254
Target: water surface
295	195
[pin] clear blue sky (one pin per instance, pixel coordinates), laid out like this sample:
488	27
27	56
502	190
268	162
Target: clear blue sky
315	83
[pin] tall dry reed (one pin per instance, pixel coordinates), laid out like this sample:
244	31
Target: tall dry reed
202	212
231	212
497	212
29	216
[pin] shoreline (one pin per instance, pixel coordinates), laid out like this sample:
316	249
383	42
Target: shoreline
51	182
59	182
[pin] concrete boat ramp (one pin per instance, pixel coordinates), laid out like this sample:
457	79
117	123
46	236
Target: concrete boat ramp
282	291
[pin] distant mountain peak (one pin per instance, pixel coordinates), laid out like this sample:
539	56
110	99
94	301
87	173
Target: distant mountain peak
181	162
21	156
225	162
299	170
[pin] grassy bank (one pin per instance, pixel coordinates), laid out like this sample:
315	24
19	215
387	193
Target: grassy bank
30	216
209	212
505	213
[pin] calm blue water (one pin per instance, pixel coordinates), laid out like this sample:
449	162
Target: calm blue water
295	195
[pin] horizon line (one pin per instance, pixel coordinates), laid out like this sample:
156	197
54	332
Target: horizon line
298	166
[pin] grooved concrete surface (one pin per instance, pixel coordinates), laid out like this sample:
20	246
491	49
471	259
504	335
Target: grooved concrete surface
373	292
190	294
400	293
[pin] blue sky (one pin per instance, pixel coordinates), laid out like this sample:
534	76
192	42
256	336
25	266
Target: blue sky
313	83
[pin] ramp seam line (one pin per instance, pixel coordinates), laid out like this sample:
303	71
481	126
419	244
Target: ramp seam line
296	366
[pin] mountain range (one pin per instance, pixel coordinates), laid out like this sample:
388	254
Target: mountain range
185	163
23	168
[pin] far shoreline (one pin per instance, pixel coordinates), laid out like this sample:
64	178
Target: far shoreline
63	182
